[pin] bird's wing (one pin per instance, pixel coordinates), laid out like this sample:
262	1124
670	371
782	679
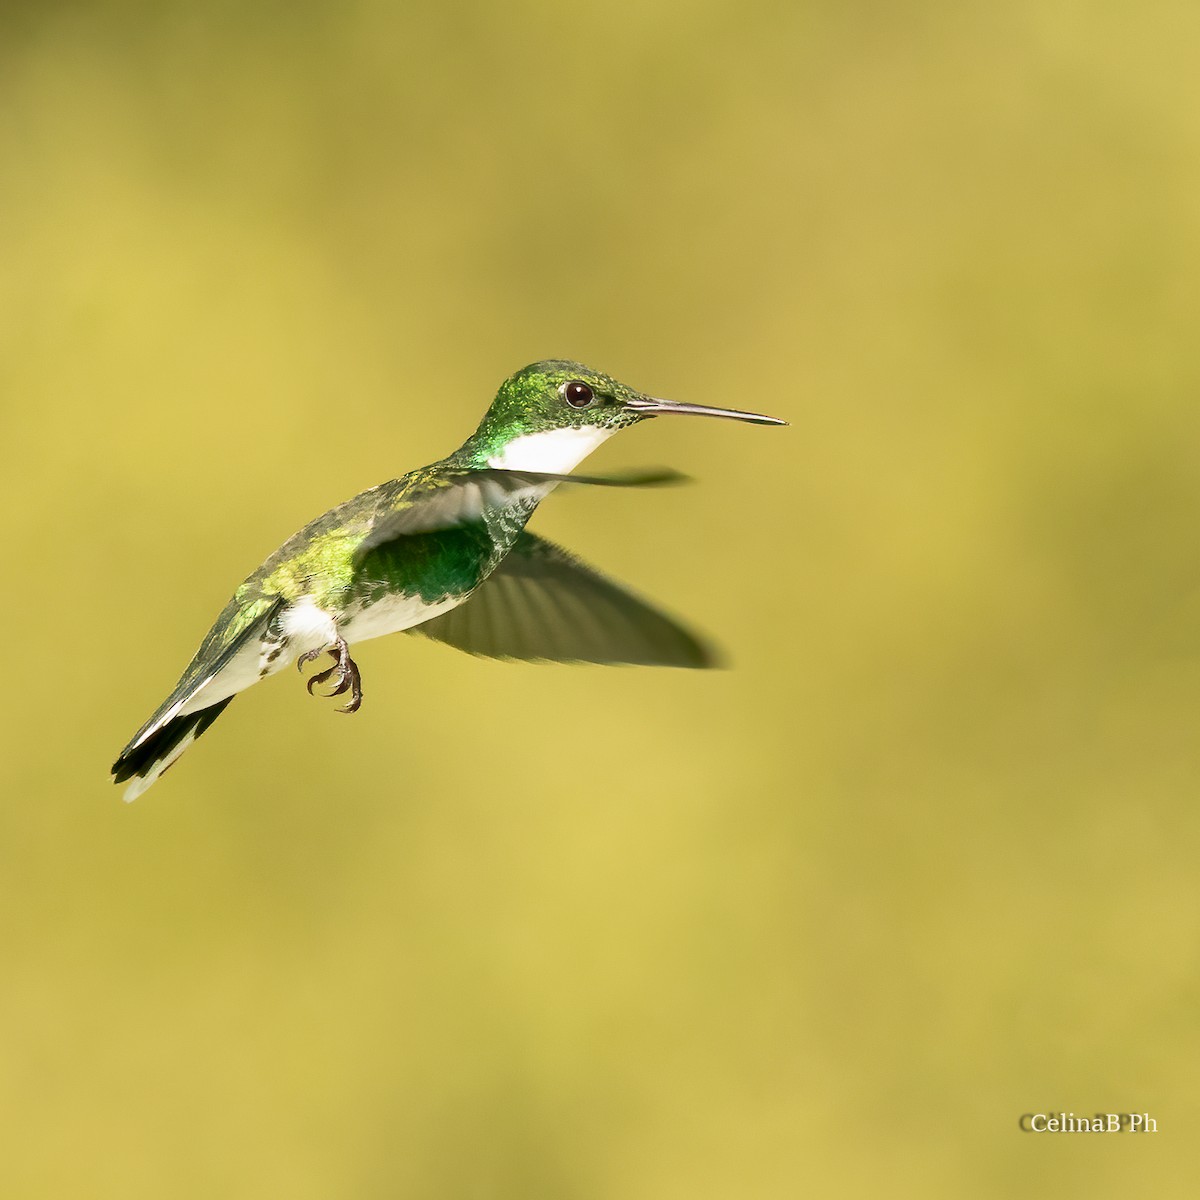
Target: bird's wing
542	603
464	496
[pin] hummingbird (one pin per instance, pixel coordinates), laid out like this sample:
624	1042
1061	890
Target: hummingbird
443	552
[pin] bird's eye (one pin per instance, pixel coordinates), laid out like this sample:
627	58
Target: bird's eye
577	393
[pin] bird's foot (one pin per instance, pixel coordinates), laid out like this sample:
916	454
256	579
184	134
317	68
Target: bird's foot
344	673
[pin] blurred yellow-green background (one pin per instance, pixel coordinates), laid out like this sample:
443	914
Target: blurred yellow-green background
826	923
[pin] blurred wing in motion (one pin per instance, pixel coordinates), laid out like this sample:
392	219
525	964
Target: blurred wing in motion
464	496
543	604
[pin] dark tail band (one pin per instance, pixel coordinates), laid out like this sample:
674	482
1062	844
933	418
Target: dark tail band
149	759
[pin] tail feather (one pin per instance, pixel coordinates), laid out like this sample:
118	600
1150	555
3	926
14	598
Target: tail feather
170	731
145	760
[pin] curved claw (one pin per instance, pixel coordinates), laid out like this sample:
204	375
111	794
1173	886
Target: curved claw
342	685
353	681
319	677
344	668
307	657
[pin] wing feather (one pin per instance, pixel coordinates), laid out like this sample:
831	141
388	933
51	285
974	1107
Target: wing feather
469	494
543	604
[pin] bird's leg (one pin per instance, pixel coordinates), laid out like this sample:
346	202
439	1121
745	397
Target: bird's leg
344	668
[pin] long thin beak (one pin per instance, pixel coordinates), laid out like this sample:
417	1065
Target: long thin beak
652	407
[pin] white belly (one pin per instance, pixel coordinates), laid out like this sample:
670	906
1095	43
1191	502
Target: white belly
308	627
390	615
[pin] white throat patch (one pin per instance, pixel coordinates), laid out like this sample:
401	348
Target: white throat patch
555	451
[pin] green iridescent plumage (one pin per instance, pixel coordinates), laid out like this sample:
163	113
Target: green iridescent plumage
421	553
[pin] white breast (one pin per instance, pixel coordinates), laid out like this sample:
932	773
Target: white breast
555	451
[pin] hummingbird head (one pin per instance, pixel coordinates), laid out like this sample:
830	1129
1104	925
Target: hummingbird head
550	415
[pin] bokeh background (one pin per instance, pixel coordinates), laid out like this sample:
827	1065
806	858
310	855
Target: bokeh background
825	923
